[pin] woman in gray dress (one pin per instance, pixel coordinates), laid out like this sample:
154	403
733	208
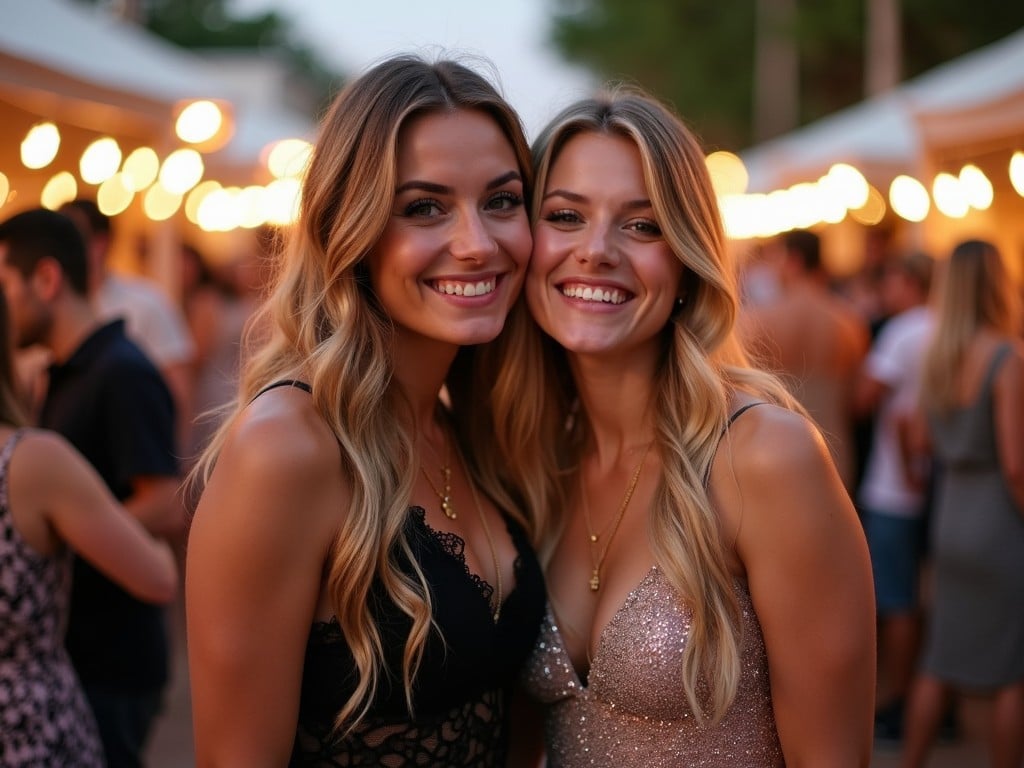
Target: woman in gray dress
973	397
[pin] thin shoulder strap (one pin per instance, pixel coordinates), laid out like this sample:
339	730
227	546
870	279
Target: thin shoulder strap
5	460
735	415
1001	353
285	383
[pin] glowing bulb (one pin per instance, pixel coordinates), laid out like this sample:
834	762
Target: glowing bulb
100	160
182	170
114	195
140	169
160	203
949	196
847	184
288	158
196	197
873	211
60	189
1017	172
281	202
909	198
199	122
728	174
40	145
976	186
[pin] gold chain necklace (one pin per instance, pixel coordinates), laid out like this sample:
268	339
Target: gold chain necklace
487	532
592	538
446	482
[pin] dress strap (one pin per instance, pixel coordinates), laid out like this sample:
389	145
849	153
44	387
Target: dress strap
5	460
1001	353
735	415
739	412
285	383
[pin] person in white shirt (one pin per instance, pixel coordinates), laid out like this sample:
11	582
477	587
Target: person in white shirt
892	495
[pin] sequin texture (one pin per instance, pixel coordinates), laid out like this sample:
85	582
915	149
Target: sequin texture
633	713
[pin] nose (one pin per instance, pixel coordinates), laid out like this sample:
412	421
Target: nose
597	246
471	239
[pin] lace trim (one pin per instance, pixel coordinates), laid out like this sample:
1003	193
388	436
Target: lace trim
452	545
471	734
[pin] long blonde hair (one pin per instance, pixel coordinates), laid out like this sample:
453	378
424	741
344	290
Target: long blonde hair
702	363
323	324
974	291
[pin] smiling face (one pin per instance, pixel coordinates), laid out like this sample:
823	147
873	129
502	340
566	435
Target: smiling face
602	280
452	257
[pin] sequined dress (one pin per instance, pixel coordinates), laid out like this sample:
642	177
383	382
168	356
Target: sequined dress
44	717
632	713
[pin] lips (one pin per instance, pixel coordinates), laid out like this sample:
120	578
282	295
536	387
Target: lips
595	293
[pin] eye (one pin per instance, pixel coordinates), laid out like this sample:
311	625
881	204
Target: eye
422	208
504	201
644	227
562	216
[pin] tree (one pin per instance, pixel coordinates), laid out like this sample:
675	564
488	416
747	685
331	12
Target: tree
699	54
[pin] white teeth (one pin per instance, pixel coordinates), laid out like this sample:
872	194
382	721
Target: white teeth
588	293
453	288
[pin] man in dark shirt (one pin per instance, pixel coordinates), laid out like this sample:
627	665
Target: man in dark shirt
110	402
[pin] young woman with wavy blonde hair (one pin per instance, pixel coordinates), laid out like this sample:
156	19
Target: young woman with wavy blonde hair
357	591
973	398
710	590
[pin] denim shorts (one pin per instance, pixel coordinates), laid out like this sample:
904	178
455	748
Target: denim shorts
895	546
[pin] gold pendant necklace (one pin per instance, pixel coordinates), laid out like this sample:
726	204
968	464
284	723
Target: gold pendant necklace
445	496
592	537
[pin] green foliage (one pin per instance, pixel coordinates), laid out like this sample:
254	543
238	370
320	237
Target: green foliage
699	54
688	53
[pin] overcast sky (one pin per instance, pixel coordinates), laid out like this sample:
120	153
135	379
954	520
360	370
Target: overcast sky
351	34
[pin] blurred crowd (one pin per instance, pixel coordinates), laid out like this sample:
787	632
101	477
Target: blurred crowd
110	388
912	366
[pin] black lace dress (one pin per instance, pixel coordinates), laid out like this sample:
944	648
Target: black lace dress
460	692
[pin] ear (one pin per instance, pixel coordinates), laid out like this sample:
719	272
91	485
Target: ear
47	279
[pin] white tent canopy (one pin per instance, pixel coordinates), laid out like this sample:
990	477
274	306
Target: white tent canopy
69	61
979	96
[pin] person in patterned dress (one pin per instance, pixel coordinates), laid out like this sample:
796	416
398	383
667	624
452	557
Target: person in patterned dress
51	502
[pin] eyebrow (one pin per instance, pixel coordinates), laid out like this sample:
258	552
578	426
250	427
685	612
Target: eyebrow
572	197
442	189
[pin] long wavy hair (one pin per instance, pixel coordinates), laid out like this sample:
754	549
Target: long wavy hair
541	435
322	323
973	291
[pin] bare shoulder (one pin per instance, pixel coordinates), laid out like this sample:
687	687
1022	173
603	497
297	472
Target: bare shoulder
43	455
281	428
280	461
772	445
774	476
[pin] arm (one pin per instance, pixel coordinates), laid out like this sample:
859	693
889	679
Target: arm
155	503
51	477
256	555
1009	422
806	561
